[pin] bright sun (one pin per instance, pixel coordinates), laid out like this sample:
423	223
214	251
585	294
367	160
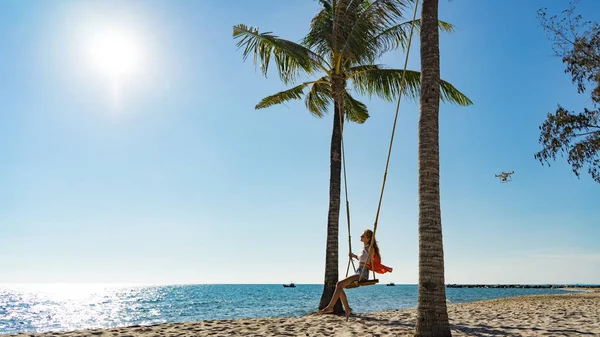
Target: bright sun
116	54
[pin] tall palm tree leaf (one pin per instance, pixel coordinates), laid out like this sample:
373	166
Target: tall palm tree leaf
451	95
356	111
318	98
385	83
361	68
445	26
353	35
397	36
342	17
281	97
290	57
319	37
372	18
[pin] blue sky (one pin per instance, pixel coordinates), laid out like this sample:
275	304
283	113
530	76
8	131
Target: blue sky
173	177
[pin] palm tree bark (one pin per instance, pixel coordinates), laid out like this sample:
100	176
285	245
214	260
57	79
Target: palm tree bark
432	314
335	178
332	248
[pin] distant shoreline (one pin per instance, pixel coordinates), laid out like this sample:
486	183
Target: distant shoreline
525	286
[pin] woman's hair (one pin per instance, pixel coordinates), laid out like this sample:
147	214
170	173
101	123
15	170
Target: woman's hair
369	234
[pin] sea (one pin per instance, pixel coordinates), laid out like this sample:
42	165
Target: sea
66	307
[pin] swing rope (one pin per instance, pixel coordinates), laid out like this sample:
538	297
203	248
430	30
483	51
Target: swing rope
346	193
402	85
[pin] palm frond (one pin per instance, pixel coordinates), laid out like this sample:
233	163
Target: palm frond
397	36
385	83
356	111
452	95
361	27
281	97
289	56
319	37
445	26
318	98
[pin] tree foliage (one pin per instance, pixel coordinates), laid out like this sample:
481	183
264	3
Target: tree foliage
577	135
364	31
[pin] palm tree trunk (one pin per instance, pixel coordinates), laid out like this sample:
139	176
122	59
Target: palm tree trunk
338	84
432	316
332	250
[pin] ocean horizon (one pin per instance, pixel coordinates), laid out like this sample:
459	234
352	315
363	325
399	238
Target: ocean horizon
77	306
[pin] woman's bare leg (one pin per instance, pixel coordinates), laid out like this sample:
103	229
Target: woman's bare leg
339	289
344	300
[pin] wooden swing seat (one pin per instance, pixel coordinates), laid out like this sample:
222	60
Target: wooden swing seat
357	284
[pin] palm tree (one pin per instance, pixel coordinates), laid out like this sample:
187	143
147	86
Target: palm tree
432	314
345	39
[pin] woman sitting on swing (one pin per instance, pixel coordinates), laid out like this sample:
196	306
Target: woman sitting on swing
362	273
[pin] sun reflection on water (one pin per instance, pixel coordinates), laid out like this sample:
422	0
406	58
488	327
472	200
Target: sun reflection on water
76	306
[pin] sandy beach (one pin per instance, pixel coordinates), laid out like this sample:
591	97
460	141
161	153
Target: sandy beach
576	314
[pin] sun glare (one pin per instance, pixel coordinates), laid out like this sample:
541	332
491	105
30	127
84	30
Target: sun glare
116	55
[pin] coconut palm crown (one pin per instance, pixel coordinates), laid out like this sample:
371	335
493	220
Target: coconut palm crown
340	51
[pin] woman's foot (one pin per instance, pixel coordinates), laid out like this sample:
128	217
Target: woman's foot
348	313
325	311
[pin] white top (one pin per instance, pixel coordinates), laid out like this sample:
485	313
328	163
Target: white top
364	254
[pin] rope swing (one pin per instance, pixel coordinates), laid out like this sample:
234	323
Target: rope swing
370	254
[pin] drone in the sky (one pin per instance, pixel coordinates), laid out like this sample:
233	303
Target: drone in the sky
505	176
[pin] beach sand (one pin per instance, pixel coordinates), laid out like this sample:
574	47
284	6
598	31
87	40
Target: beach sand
576	314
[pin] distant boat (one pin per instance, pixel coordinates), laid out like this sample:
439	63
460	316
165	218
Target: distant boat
291	285
391	284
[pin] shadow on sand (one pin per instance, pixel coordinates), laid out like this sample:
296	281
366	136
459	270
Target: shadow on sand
483	330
